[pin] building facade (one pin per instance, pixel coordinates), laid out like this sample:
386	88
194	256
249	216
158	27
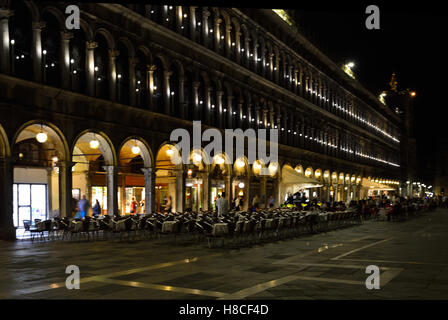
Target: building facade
90	111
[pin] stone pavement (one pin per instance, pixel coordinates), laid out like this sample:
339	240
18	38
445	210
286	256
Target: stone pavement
412	256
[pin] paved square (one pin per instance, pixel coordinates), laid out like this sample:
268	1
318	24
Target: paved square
411	255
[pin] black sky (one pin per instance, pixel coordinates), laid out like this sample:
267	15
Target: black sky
411	42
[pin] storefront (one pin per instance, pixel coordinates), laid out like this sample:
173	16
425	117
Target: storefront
193	195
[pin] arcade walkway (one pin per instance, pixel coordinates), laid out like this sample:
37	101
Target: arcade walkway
412	257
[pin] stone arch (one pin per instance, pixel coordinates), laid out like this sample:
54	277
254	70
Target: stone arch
128	44
56	13
5	149
106	146
54	136
145	150
147	53
107	35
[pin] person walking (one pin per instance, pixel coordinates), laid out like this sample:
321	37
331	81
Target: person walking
223	205
83	206
96	209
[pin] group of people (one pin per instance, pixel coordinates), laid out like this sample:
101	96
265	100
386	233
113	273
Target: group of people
82	207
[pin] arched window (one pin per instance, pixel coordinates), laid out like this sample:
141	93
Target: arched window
222	36
185	25
233	46
156	13
202	99
188	95
141	80
102	68
174	90
51	51
122	70
171	16
20	35
158	89
78	61
199	37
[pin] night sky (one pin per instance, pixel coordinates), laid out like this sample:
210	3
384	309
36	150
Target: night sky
411	42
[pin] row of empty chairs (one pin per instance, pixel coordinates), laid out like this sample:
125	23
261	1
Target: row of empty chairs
235	228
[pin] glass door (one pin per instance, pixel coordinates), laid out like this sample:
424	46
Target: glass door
30	202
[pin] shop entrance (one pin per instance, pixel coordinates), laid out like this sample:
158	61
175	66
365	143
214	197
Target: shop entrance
30	202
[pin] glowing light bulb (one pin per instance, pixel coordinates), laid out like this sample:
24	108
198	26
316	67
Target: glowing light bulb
41	137
135	149
94	144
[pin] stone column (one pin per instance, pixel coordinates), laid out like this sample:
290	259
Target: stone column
276	69
113	54
207	105
65	58
49	190
228	41
237	47
180	190
150	85
263	181
205	15
132	81
7	229
217	37
167	93
90	67
206	186
196	105
258	116
193	23
229	112
150	191
220	123
5	59
179	18
182	103
240	114
65	189
247	51
255	57
112	190
228	188
37	49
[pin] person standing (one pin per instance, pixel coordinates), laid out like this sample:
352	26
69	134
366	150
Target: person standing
223	205
168	204
133	206
271	202
83	206
255	203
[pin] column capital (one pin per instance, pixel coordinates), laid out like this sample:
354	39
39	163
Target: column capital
66	35
148	171
110	169
133	61
196	84
90	45
6	13
38	25
167	74
151	67
113	53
